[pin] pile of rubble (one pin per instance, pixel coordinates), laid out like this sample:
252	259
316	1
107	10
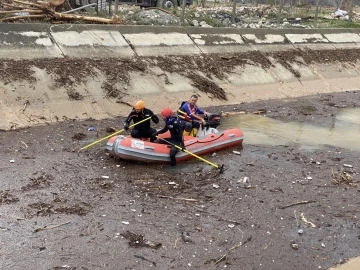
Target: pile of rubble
245	17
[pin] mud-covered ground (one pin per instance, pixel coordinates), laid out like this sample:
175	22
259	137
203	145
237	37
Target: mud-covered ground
61	209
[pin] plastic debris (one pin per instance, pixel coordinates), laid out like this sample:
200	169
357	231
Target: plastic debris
215	186
237	152
105	177
12	160
91	129
125	222
348	166
231	225
300	231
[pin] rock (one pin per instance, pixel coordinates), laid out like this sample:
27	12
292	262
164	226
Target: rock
194	23
226	22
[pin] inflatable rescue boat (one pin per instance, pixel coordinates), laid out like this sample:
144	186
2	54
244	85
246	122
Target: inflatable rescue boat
208	140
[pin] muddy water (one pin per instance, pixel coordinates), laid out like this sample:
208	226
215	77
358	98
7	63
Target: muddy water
344	131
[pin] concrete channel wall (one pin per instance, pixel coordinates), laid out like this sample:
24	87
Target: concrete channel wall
24	103
30	41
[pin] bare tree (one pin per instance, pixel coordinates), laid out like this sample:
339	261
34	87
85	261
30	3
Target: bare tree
233	14
281	5
316	12
351	10
182	16
116	6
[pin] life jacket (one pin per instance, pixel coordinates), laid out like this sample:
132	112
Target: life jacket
183	115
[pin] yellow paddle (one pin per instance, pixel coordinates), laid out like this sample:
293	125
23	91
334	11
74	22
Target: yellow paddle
221	168
113	134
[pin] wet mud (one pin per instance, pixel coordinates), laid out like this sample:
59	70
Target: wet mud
274	207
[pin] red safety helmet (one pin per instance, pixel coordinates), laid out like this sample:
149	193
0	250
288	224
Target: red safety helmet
166	112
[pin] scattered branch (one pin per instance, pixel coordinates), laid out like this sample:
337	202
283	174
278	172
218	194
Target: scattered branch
180	199
223	257
241	243
25	105
20	10
297	203
51	227
306	221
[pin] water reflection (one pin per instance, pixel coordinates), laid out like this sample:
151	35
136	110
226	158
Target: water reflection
344	131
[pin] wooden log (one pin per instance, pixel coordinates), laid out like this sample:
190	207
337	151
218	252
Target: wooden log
16	18
21	10
14	6
39	6
60	16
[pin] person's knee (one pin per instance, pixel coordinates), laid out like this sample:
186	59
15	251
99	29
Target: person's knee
135	133
196	125
173	152
187	127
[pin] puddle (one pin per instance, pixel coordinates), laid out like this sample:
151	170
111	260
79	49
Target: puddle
343	132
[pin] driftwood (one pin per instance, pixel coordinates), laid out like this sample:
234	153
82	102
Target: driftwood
42	10
23	17
21	10
297	203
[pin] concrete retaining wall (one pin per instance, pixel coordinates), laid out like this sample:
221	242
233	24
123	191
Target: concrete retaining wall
24	103
29	41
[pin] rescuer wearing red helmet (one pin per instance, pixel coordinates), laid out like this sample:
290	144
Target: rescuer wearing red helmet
176	127
142	130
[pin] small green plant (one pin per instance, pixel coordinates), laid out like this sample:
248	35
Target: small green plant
343	24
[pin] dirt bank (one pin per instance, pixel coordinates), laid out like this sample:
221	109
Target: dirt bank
61	209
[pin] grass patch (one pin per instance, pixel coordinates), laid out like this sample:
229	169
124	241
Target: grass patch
332	23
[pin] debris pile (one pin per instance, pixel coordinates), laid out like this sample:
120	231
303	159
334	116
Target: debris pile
342	177
16	10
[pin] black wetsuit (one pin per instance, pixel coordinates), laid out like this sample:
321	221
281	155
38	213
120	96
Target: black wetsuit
176	127
142	130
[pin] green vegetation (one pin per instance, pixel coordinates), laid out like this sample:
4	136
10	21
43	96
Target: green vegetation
332	23
343	24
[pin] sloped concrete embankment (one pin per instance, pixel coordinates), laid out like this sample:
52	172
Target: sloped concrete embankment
44	98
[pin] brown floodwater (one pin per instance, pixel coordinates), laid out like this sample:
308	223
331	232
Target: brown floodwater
343	132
